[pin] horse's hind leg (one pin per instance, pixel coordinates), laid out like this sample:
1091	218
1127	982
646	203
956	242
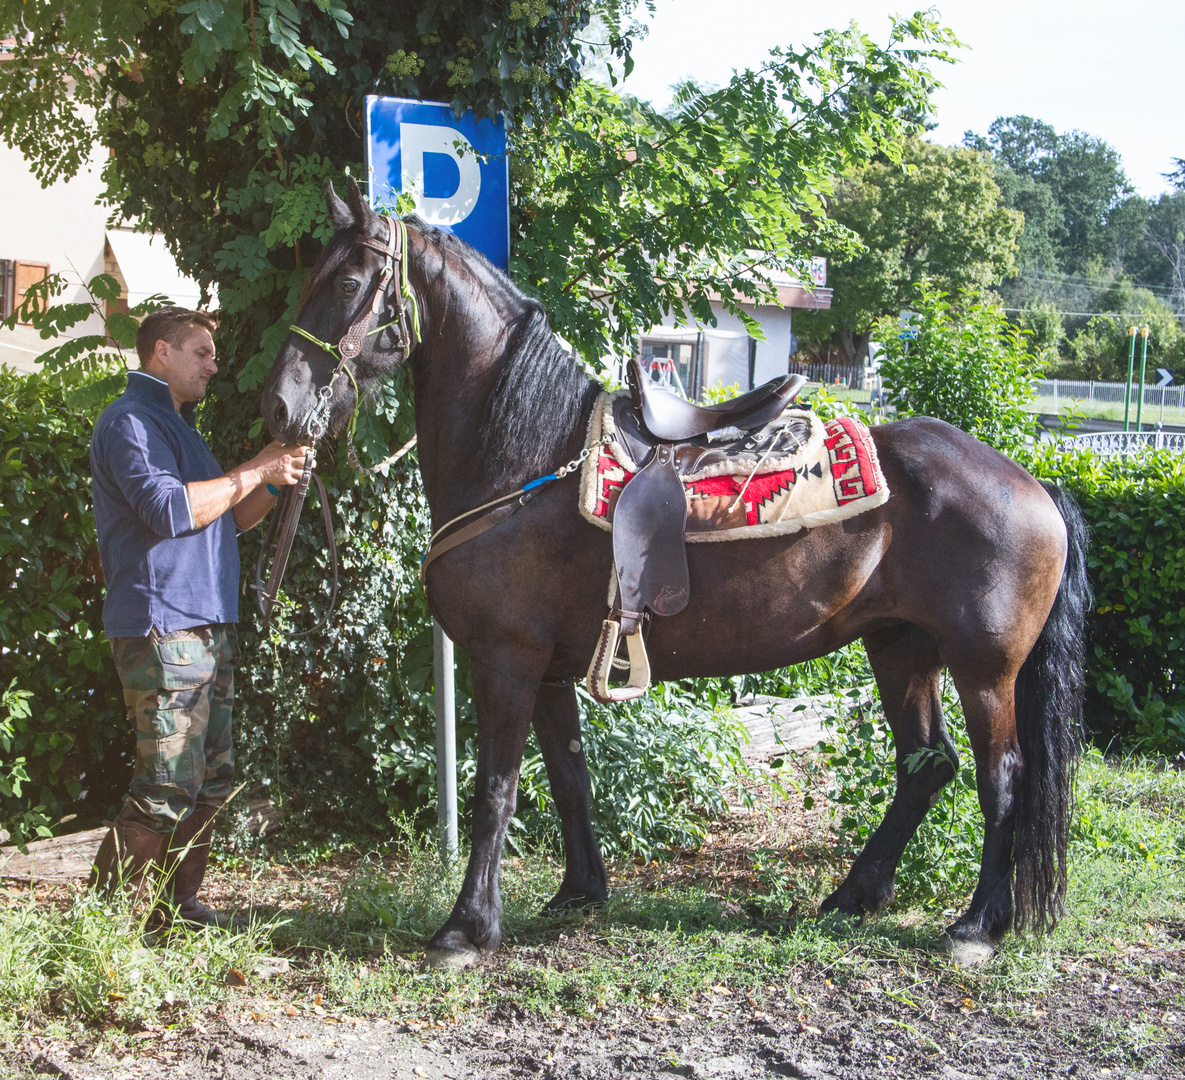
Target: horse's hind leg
989	708
907	667
557	727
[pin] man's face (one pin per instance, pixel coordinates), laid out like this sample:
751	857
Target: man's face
188	366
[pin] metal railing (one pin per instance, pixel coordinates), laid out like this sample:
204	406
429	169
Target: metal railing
1107	443
1067	391
852	377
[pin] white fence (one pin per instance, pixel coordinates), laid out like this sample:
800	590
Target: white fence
1106	443
1066	391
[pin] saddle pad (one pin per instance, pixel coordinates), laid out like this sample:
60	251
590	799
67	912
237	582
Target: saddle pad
835	475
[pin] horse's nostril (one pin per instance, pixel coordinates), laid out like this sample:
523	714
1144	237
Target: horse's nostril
279	413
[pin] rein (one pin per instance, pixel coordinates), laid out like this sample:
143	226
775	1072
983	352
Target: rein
498	515
282	529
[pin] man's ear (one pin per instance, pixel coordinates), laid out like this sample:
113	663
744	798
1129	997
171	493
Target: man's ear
161	354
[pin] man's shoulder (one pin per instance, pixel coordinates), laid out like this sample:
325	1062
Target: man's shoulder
128	415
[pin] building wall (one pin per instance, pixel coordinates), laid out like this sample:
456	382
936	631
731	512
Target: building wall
773	354
61	225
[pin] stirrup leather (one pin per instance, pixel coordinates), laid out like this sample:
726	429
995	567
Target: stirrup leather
601	667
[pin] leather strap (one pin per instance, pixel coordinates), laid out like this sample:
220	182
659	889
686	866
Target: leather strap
282	532
474	528
351	343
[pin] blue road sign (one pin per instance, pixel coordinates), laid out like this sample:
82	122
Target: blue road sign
455	169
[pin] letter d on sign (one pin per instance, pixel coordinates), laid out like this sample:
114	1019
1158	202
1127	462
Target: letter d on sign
416	140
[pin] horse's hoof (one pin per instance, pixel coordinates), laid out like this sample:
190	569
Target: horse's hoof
451	959
564	902
965	954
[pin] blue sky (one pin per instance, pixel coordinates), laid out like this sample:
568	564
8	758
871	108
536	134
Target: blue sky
1114	70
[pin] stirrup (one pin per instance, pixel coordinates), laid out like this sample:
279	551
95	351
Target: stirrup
602	665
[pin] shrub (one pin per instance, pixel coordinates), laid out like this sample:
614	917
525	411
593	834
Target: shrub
63	739
1135	507
968	366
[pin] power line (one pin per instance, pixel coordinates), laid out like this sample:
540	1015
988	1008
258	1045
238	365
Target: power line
1139	316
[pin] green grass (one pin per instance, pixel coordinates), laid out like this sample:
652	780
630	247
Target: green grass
670	937
1105	410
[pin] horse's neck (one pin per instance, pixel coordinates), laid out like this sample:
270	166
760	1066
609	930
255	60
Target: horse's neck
473	318
455	376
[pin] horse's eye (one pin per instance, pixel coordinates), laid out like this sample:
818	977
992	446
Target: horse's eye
349	285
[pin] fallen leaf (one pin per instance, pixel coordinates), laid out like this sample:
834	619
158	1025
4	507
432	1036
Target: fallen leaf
421	1072
290	1011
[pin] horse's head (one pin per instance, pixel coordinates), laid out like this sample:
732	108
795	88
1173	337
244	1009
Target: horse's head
353	327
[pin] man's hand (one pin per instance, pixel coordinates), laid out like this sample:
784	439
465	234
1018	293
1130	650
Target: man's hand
244	488
280	465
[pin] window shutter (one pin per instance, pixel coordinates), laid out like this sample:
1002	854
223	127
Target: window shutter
26	274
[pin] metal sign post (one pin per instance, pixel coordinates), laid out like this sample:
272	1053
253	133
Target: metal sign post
1131	363
457	173
1143	371
446	742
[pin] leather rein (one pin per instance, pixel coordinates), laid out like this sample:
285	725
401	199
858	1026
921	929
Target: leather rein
282	529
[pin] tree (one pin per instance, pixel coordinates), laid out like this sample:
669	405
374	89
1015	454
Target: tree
1083	176
937	216
632	215
1165	235
968	366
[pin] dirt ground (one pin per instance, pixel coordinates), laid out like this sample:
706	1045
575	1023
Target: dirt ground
813	1029
1119	1013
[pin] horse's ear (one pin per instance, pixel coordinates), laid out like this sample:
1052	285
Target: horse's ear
340	215
363	214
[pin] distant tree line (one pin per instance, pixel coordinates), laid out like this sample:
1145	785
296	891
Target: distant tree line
1045	223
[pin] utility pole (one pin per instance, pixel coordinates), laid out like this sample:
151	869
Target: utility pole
1143	368
1127	390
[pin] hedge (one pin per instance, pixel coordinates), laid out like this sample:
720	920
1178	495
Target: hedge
1135	507
338	727
61	717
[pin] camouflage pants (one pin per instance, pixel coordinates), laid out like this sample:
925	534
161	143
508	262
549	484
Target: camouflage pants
179	691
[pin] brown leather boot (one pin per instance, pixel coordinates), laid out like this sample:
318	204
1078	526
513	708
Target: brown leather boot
128	855
185	867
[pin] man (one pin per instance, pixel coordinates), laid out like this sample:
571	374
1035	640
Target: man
166	517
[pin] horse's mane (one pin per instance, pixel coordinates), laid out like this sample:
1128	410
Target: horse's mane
332	256
541	393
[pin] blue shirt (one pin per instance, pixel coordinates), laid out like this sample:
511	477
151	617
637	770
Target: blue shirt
161	572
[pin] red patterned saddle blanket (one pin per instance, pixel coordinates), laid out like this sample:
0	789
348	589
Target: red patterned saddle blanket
828	476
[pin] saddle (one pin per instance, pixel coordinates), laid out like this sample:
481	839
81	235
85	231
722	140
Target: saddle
671	438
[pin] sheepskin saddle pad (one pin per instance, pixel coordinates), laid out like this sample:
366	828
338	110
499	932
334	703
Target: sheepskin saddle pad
797	472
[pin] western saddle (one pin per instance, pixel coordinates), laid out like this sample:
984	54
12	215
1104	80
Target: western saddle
670	437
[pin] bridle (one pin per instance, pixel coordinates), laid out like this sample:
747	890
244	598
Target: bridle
394	253
282	528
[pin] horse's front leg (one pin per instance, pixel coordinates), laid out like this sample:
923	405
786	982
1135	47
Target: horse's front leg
557	727
504	688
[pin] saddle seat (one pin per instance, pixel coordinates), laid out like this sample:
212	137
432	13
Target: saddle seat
671	438
670	418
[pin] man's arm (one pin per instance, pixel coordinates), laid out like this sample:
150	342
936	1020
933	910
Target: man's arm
244	488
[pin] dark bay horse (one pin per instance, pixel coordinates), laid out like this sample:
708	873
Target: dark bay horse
971	565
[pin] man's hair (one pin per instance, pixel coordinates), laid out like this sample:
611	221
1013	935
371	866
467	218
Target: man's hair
172	324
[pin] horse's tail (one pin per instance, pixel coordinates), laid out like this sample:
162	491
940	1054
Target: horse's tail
1049	693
